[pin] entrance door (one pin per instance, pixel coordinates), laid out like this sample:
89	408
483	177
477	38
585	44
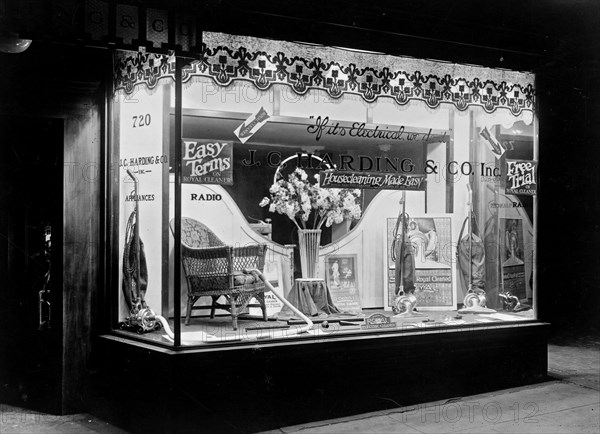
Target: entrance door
30	213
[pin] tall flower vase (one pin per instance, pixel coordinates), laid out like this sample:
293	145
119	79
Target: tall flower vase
309	240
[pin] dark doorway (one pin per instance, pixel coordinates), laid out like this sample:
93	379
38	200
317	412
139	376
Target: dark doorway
30	207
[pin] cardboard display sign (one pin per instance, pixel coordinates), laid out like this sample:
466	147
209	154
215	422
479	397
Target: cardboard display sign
372	180
521	177
493	143
251	125
207	162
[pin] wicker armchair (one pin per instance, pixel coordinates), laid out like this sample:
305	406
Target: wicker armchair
215	270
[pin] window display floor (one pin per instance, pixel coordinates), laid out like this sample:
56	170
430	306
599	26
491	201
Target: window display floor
203	330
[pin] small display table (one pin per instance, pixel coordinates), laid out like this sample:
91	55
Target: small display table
312	297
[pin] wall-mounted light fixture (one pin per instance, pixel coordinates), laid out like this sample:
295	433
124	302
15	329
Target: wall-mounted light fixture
11	43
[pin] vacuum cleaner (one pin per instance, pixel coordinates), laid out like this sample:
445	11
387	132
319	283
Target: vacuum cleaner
405	301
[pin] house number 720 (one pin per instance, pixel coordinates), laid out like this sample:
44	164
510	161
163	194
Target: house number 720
142	120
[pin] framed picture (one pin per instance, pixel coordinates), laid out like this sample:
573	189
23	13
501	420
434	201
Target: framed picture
434	278
342	281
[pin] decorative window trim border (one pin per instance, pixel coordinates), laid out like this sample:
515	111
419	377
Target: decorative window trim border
132	69
227	58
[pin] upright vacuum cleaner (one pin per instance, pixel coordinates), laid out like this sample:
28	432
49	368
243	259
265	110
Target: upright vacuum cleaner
141	318
468	257
402	254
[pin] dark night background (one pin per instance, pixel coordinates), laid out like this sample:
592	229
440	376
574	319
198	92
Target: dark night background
559	40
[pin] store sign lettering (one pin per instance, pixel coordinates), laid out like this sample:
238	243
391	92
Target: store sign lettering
370	180
139	198
322	127
203	158
207	162
144	161
521	177
205	197
343	162
495	205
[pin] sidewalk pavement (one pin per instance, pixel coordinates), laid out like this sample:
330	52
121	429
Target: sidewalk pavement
570	403
15	420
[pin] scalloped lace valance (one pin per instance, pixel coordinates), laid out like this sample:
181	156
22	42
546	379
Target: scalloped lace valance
227	58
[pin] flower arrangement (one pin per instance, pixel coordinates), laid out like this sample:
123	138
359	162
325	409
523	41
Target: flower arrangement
298	199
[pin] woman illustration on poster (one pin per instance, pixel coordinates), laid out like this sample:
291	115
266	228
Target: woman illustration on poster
335	273
511	238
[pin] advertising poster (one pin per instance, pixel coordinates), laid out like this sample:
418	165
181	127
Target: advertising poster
513	263
207	162
342	281
431	241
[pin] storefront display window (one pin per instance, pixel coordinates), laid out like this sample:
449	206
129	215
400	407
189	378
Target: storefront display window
140	200
318	193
